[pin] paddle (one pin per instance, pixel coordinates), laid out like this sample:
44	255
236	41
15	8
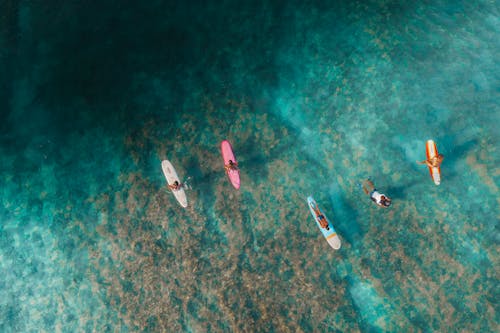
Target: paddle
186	184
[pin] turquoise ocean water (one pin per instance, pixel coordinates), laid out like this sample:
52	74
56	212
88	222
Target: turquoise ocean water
314	97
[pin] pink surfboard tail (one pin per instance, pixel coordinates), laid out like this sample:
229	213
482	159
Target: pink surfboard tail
228	154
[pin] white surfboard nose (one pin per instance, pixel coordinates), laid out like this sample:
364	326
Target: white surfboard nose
335	242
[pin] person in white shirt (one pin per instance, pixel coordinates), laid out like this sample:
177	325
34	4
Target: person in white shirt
380	199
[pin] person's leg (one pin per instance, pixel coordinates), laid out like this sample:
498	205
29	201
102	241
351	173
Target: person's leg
365	189
368	186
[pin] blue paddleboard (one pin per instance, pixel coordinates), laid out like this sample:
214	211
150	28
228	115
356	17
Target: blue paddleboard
330	234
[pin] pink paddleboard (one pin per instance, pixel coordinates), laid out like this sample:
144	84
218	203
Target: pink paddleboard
227	154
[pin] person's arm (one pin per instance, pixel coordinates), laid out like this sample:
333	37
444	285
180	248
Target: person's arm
426	162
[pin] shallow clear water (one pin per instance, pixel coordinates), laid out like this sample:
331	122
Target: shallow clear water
314	98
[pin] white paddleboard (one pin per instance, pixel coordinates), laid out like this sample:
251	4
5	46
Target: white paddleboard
171	176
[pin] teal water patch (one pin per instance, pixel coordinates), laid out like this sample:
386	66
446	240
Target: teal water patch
374	310
48	233
45	283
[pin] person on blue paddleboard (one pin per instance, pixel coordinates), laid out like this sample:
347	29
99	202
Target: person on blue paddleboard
231	166
321	218
380	199
175	186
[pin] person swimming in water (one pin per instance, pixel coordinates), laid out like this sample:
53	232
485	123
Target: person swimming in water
434	162
231	166
175	186
380	199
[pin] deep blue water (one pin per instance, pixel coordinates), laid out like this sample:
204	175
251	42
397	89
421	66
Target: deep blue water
314	97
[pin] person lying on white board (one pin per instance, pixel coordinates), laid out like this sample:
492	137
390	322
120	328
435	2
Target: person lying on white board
175	186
